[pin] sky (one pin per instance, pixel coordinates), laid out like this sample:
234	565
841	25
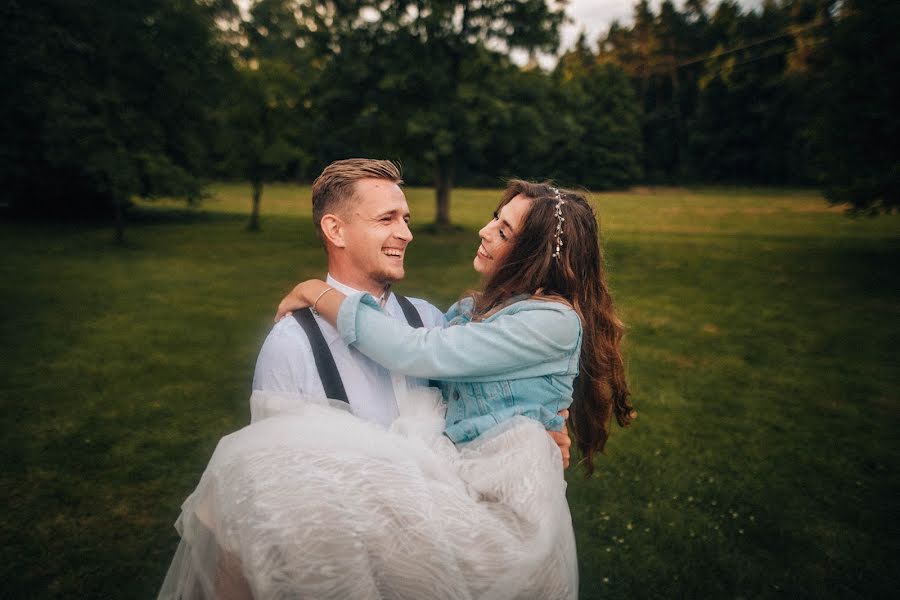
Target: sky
595	16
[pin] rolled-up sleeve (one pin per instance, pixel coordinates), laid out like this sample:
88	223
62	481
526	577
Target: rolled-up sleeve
499	346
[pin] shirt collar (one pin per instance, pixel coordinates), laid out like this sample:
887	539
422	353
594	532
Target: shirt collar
347	290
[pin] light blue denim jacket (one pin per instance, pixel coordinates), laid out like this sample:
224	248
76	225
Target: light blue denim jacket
521	360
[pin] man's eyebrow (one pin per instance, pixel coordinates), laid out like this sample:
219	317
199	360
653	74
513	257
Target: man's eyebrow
392	212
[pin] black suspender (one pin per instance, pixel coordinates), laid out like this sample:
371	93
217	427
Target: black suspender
409	311
328	372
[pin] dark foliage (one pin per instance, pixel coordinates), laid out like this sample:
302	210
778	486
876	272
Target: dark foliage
106	102
858	133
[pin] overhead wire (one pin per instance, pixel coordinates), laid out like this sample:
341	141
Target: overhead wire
663	67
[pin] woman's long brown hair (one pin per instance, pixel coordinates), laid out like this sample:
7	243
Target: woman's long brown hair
576	277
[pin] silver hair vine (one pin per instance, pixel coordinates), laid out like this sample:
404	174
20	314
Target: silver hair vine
558	241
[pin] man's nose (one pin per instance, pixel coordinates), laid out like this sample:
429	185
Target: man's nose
403	232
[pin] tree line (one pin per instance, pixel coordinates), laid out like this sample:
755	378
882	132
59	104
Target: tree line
147	98
798	92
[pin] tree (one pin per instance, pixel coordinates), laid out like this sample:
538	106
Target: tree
262	127
410	76
596	134
109	102
858	127
725	95
263	134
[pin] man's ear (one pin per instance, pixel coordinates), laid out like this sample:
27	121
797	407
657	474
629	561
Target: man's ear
333	230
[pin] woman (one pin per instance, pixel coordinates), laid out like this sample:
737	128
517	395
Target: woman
466	503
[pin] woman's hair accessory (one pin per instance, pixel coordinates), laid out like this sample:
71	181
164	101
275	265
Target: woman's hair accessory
559	221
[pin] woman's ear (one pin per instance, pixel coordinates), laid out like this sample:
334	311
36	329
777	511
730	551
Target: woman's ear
333	230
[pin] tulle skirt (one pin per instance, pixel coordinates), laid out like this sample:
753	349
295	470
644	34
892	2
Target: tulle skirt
311	502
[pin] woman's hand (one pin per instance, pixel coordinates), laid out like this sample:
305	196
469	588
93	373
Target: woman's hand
562	439
302	296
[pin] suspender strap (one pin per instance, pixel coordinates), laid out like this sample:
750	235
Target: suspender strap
409	311
328	373
414	319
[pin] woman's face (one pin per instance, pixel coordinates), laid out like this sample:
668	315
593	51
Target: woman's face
497	235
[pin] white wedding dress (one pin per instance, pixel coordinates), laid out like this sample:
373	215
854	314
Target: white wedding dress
310	501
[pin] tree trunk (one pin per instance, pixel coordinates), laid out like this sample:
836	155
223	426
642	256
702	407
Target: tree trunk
253	225
119	211
443	183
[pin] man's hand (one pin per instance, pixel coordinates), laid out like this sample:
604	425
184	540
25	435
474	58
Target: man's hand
562	439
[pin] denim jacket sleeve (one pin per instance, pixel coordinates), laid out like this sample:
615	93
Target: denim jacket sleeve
539	332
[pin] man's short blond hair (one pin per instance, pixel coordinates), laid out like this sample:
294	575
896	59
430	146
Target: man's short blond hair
333	191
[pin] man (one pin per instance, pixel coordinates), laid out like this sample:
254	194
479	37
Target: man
362	219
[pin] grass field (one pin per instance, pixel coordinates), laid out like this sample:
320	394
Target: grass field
762	353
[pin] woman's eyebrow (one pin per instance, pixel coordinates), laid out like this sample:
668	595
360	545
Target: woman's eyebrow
505	222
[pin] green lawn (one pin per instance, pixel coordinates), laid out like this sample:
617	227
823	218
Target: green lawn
762	353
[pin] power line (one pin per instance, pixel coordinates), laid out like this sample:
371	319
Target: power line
662	67
770	53
790	30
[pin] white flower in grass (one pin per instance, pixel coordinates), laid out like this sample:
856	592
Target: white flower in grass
608	549
606	580
629	526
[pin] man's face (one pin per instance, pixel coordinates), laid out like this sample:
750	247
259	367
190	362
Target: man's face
376	231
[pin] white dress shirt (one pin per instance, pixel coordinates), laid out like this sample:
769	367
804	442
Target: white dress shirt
286	363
